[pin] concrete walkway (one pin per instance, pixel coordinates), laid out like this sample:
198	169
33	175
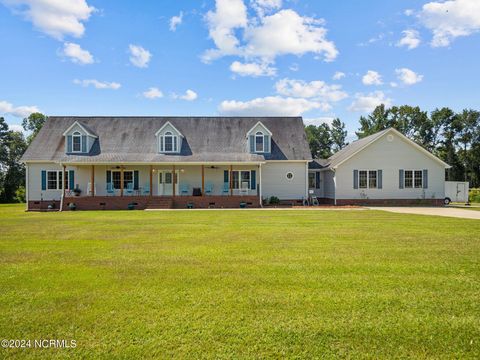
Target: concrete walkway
435	211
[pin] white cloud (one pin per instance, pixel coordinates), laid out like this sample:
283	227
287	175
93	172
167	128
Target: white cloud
317	90
152	93
410	39
368	102
338	75
265	37
17	127
139	56
294	67
393	84
228	16
409	12
408	77
7	108
252	69
372	78
270	106
265	6
56	18
76	54
189	95
175	21
97	84
450	19
318	121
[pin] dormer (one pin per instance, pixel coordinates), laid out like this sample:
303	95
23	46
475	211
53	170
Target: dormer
259	139
169	139
79	139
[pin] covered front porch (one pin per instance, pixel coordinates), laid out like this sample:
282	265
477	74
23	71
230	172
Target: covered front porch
102	186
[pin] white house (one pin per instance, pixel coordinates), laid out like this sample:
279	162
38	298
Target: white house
165	162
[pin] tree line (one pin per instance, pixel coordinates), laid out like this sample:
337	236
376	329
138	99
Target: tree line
12	146
453	137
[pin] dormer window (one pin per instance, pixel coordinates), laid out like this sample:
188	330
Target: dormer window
76	142
259	142
259	139
169	139
169	143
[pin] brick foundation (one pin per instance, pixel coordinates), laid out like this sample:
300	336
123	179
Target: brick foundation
144	202
390	202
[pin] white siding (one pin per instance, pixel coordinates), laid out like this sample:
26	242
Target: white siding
275	182
329	184
390	157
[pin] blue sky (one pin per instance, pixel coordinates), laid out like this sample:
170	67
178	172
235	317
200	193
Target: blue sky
236	57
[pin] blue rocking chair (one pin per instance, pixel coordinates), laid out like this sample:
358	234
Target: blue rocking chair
184	189
209	188
110	189
226	188
129	188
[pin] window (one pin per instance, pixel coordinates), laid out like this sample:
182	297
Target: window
116	179
259	142
76	142
241	180
54	179
372	179
362	179
367	179
289	175
312	183
413	179
168	143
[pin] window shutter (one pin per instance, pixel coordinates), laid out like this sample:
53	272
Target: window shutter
44	180
425	179
266	144
355	179
69	143
253	180
317	180
379	179
135	180
161	143
175	144
71	179
84	144
252	143
225	176
109	176
400	179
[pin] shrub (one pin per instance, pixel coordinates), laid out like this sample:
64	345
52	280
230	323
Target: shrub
274	200
20	194
474	195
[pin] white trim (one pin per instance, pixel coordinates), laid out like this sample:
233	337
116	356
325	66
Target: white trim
413	179
368	180
411	142
259	184
175	143
174	128
59	184
26	187
254	126
306	181
82	127
81	142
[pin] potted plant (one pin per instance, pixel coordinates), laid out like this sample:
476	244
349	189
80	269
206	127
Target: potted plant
131	206
72	206
77	191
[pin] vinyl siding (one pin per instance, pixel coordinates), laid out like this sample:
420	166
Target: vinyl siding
275	182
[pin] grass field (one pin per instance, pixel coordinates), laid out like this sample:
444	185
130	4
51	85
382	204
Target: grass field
240	284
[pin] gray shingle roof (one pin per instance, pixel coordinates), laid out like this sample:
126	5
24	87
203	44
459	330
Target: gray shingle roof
132	139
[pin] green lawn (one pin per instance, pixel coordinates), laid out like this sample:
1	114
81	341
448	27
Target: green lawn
240	284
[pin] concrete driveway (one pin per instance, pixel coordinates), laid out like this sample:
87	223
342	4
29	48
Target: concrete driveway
436	211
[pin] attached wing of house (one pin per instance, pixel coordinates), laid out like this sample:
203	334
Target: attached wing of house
110	162
383	168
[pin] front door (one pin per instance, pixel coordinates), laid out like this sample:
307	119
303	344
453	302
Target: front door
165	183
461	192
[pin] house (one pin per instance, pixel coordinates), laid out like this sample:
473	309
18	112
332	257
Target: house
164	162
223	162
383	168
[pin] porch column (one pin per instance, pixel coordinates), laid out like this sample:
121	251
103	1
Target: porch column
203	180
121	180
63	179
173	179
259	185
151	176
231	180
92	181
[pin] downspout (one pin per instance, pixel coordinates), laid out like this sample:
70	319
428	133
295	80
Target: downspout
63	187
26	186
260	184
306	180
334	187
